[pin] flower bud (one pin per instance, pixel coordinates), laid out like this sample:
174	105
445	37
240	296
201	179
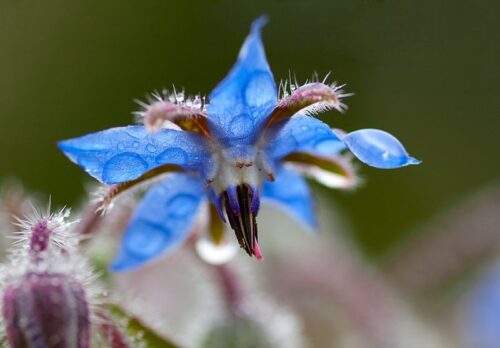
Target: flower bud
49	310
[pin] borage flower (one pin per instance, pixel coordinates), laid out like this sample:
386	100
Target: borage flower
242	146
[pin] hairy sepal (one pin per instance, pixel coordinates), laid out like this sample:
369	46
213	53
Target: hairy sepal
311	98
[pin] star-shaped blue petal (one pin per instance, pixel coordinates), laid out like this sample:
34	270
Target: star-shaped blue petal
244	99
304	134
291	193
121	154
378	149
162	221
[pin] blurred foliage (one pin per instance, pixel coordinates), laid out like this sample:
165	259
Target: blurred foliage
137	330
426	71
239	333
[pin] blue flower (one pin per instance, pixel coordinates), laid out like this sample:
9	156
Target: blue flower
242	146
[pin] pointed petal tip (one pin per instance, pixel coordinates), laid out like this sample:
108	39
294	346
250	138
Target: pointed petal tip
257	252
259	22
63	146
413	161
378	149
248	88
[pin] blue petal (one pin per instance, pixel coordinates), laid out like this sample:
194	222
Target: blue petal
163	220
125	153
482	314
291	193
247	95
378	149
304	134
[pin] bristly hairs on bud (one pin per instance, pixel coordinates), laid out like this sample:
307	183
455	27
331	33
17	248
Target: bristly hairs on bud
45	230
47	246
167	109
289	86
175	97
51	237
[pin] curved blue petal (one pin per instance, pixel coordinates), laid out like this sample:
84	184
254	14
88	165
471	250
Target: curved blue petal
378	149
303	134
162	220
247	95
290	192
125	153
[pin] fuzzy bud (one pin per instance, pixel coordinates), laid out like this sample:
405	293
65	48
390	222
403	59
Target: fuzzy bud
42	309
173	111
311	98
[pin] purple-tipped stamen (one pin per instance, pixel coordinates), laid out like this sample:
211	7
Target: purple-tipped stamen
243	220
233	198
255	202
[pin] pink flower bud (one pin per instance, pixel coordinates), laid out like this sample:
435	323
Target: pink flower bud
46	310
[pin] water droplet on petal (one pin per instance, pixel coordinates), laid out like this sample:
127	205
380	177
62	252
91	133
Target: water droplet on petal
181	205
150	242
172	155
123	167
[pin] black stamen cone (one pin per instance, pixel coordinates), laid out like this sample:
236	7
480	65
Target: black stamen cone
244	224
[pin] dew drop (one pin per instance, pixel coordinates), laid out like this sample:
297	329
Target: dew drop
150	240
137	132
173	155
123	167
181	205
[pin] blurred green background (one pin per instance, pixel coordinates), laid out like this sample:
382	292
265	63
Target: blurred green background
427	71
